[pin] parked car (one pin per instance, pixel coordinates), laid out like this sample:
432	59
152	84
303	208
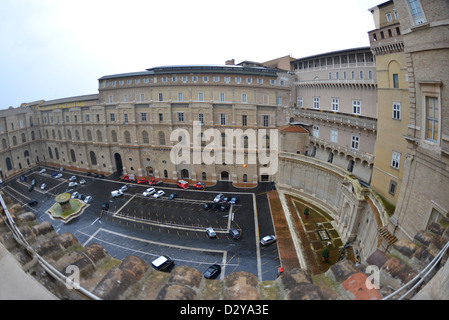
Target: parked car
33	182
235	234
75	195
43	186
83	181
234	200
116	193
72	184
219	197
88	199
105	206
156	182
124	188
81	196
159	194
182	184
212	271
101	176
211	233
32	202
72	178
208	206
54	174
43	170
199	186
143	181
59	175
149	192
163	263
172	196
129	177
268	240
225	206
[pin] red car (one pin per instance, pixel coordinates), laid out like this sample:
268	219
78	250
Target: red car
129	178
156	182
183	184
199	185
143	181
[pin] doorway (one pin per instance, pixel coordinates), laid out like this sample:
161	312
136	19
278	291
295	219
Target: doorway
118	163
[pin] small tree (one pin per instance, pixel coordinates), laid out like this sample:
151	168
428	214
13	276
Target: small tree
306	213
325	254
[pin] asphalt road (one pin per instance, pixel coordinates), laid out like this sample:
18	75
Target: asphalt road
148	227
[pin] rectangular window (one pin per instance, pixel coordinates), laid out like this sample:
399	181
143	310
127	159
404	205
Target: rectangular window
266	120
395	160
223	119
222	97
299	101
432	116
125	98
143	116
356	107
244	120
417	13
125	116
335	104
316	102
200	96
181	116
397	110
316	131
216	79
205	79
67	119
238	80
112	117
161	117
111	100
334	135
142	97
392	188
244	98
201	118
87	117
180	98
161	97
355	140
395	80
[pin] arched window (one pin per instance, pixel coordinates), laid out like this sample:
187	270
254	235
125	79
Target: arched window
72	155
89	135
56	153
69	134
267	141
245	178
145	138
77	135
127	137
53	134
59	135
161	138
23	138
165	174
4	144
50	153
93	158
245	142
26	154
99	136
14	141
204	176
114	136
46	134
32	136
8	164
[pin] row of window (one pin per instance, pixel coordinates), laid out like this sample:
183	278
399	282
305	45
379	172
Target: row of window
185	79
181	98
335	104
345	76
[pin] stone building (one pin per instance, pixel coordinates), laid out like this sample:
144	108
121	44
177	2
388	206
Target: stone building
424	195
393	101
336	99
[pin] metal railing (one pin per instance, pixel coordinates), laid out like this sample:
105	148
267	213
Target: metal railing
18	236
420	277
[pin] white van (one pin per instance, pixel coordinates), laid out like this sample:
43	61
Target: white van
163	263
116	193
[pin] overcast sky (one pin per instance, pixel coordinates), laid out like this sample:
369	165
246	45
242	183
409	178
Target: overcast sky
52	49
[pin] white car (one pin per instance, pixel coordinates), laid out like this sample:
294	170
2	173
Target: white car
149	192
43	170
124	188
211	233
59	175
88	199
116	193
72	184
75	195
218	197
267	240
43	186
83	181
159	194
72	178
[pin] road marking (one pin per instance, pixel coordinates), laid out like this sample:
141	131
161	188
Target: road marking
256	228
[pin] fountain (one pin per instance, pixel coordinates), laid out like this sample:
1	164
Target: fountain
66	208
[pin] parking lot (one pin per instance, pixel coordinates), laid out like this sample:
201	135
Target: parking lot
147	227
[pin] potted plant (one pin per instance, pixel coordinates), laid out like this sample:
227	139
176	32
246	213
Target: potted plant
325	254
306	213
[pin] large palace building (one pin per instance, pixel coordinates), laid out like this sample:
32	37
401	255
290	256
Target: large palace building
347	124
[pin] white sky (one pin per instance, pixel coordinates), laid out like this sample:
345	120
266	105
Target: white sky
52	49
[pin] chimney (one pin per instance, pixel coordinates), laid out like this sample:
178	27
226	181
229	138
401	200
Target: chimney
230	62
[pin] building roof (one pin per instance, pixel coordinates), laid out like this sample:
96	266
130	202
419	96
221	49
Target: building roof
332	53
293	128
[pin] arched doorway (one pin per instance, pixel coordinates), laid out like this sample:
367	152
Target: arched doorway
225	175
118	163
184	174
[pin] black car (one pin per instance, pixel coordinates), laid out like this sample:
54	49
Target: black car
172	196
208	206
32	202
212	272
105	206
235	234
225	206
